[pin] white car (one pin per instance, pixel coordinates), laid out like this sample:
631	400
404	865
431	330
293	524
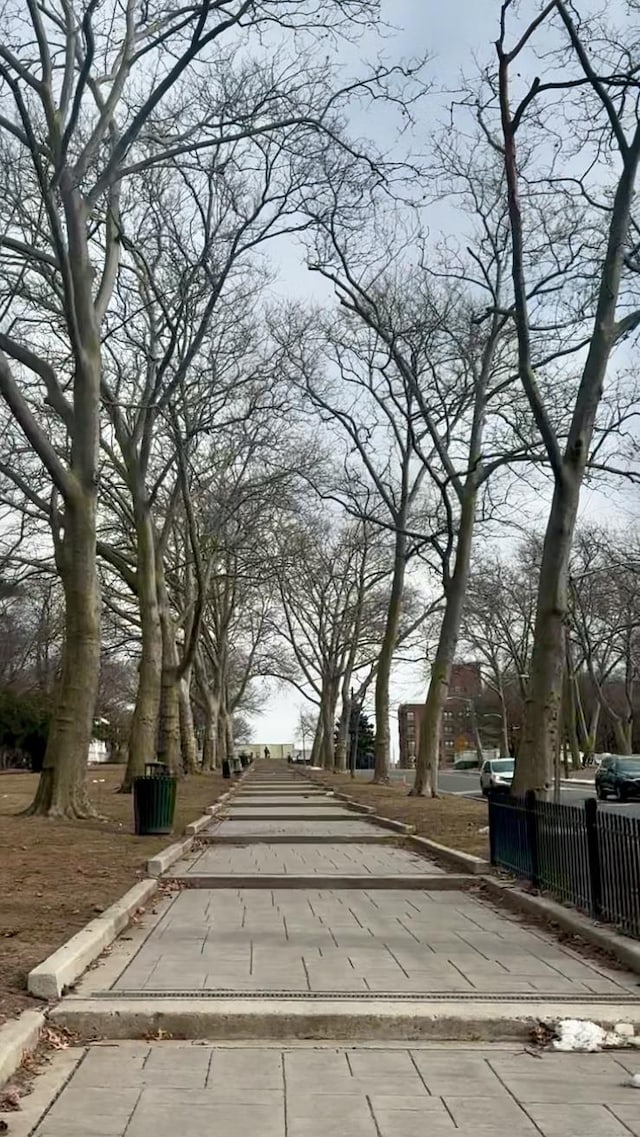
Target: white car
497	775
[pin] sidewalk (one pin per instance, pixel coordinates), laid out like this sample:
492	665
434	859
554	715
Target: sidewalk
336	984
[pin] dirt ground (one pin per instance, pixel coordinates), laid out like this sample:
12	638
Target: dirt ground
452	821
55	876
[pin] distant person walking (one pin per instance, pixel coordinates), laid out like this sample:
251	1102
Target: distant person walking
267	753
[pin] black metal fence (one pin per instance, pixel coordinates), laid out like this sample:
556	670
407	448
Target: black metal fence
585	856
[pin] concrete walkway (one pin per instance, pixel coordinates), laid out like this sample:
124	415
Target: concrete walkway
311	923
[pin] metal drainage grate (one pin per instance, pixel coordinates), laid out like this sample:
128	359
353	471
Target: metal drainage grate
369	996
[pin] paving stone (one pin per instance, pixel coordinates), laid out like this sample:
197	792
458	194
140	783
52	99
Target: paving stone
490	1115
344	940
324	830
303	860
342	1092
577	1121
628	1113
158	1117
100	1111
410	1123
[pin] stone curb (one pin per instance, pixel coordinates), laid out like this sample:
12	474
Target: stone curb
18	1037
466	861
159	864
50	978
356	806
389	823
194	827
625	950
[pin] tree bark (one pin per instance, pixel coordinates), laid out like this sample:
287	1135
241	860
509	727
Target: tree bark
143	737
534	764
572	718
188	741
385	661
316	748
426	778
343	726
169	724
209	754
327	712
61	789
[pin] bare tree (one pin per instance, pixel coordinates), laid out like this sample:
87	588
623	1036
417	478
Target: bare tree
331	616
584	108
95	93
497	624
604	624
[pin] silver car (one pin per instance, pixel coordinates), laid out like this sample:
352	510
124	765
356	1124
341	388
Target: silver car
497	775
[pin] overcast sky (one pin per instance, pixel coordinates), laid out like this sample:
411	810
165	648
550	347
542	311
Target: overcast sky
454	33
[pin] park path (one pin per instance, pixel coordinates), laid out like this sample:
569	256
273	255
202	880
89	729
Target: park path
327	982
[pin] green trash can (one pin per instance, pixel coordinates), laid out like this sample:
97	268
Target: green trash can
154	800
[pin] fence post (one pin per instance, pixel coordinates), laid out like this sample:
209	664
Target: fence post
593	855
532	835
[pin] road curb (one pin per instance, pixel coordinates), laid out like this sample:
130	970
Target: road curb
356	806
466	861
390	823
18	1037
159	864
626	951
59	971
194	827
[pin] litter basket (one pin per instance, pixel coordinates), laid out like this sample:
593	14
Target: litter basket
154	800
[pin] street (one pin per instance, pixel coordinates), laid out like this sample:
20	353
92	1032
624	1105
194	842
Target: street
467	782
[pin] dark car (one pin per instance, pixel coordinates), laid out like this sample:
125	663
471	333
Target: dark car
619	776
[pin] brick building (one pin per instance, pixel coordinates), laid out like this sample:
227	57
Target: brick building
457	719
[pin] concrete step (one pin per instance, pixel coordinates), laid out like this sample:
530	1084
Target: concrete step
429	882
226	1016
299	813
376	837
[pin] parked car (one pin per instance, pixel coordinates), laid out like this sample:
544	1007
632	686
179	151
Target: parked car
497	775
618	775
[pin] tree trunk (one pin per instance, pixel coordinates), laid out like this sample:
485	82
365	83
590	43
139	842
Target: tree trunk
188	741
426	778
572	719
316	748
327	711
221	736
534	764
143	737
504	725
62	786
61	789
385	661
622	732
477	740
228	731
342	741
209	746
210	749
169	724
